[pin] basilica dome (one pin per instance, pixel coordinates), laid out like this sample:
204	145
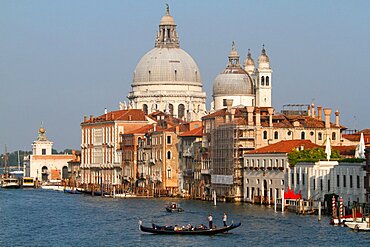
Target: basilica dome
166	66
234	80
167	78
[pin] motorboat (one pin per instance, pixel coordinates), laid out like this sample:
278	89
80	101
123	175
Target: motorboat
10	183
28	182
174	207
358	226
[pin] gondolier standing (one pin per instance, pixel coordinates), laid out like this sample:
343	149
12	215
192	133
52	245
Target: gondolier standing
210	221
224	219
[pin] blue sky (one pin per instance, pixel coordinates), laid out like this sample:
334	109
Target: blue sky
61	60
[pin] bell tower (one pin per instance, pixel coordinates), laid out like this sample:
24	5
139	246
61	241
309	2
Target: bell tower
264	81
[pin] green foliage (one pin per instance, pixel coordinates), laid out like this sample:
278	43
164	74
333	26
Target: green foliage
13	158
352	160
310	155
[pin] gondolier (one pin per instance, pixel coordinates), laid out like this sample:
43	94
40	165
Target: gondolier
210	221
224	219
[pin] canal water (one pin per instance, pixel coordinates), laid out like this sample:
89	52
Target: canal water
36	217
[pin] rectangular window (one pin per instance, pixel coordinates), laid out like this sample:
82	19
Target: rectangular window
169	173
298	182
338	181
350	181
328	184
168	139
364	182
292	179
344	181
223	102
314	184
43	151
358	182
303	178
321	185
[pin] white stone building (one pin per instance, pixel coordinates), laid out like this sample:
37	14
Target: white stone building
167	78
42	164
315	180
264	170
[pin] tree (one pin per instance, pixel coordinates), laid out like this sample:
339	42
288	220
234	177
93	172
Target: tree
310	155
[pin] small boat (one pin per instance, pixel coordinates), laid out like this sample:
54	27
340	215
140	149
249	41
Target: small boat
28	182
10	183
174	207
174	230
358	226
72	191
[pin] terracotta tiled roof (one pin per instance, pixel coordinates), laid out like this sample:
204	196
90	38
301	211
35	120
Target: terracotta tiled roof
145	129
345	150
120	115
284	147
197	132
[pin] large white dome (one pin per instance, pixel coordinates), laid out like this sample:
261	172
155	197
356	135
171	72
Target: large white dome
167	78
166	66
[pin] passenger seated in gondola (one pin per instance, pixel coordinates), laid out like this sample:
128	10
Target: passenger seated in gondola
173	205
176	228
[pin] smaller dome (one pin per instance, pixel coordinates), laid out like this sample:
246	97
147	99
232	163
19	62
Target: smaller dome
249	63
263	60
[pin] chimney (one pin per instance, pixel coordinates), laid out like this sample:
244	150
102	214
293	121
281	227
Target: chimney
154	127
105	111
177	129
91	118
233	110
312	110
271	111
309	111
319	112
327	112
85	118
337	118
250	115
258	117
229	104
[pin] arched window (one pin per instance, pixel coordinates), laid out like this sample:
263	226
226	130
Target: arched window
262	80
65	172
145	108
333	136
303	135
171	109
175	75
181	111
169	155
276	135
265	135
149	75
319	136
44	173
267	81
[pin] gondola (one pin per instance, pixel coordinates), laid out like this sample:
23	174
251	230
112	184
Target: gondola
170	230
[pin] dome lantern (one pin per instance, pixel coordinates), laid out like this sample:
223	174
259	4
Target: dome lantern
263	60
167	36
249	63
